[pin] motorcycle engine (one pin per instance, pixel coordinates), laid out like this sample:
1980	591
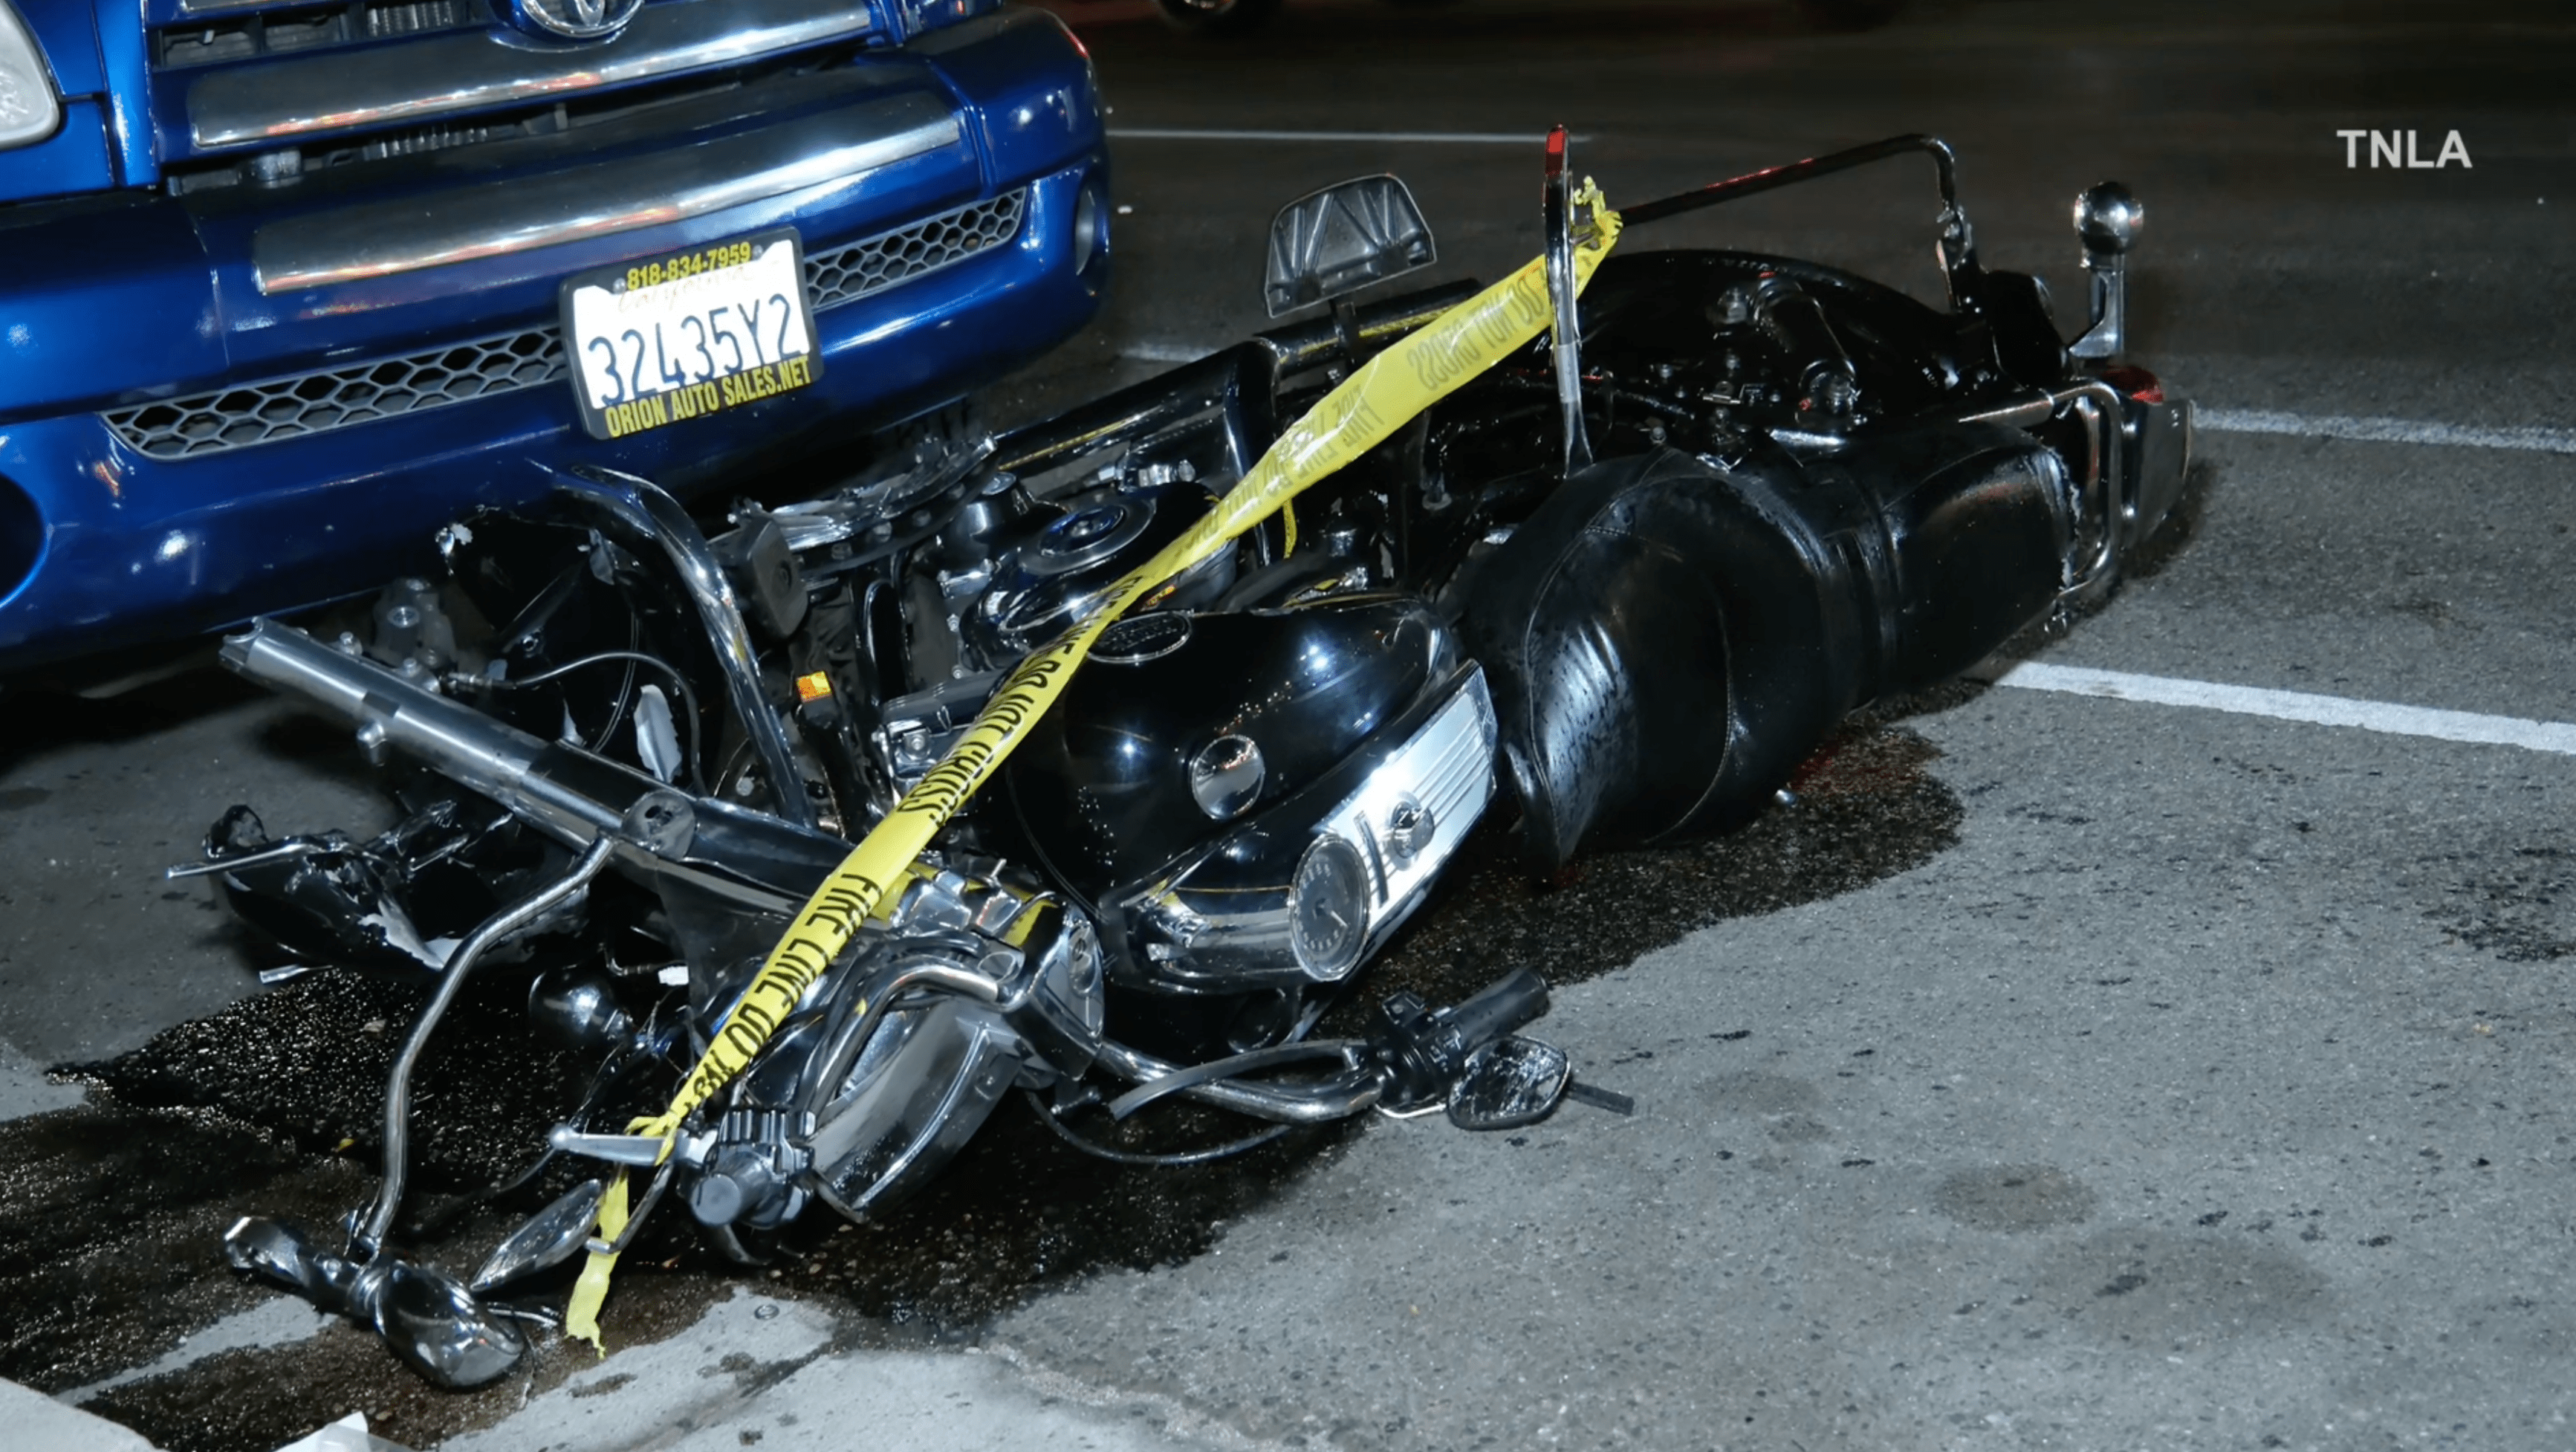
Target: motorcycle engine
1013	572
874	1081
1252	780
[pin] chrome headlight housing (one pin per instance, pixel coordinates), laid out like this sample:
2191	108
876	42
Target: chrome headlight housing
29	109
1303	891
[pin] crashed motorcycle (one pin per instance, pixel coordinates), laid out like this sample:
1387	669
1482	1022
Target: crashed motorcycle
1153	721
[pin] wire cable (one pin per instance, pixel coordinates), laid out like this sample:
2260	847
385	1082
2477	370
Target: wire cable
688	695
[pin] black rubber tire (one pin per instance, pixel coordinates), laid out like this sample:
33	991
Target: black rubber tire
1216	18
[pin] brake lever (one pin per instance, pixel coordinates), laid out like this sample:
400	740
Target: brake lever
1582	1093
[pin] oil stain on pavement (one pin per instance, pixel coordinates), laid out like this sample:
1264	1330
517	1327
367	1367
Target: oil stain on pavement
111	1214
2150	1286
2014	1198
2517	902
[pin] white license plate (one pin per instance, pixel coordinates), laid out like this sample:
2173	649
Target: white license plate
689	334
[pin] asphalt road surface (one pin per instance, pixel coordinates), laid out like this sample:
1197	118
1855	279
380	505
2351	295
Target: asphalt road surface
2135	1053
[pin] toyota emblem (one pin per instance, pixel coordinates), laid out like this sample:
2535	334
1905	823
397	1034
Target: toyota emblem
573	19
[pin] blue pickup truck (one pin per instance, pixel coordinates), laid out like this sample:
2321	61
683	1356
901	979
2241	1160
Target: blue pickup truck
284	285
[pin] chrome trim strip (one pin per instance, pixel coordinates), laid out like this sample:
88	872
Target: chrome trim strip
376	86
1447	772
485	220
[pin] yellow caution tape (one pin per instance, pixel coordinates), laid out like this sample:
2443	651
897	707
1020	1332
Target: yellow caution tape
1381	396
581	1318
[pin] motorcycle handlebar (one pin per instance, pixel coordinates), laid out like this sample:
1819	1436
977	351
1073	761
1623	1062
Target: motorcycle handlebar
1517	998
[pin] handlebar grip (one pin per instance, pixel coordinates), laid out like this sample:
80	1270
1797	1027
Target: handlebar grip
1513	1000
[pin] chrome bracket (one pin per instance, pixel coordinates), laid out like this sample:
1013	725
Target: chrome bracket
2107	219
2098	404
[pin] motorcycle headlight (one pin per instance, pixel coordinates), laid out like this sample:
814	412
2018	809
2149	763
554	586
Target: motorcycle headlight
29	111
1328	908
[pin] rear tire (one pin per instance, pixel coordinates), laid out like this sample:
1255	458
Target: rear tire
1216	18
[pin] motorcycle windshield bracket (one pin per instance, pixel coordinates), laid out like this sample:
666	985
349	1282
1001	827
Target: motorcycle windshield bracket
1331	243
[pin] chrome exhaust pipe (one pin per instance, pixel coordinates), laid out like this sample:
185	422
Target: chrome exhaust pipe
572	795
393	714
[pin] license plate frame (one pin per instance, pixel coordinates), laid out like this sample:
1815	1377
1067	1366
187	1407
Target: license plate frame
689	333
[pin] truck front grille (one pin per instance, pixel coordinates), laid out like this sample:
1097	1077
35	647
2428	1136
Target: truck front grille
879	262
310	403
250	36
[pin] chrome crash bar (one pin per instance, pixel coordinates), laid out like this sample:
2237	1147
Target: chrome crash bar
646	517
1350	1092
2106	478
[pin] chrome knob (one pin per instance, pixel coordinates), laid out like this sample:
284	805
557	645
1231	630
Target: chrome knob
2107	218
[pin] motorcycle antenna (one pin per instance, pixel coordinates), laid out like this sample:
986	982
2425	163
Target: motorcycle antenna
1566	345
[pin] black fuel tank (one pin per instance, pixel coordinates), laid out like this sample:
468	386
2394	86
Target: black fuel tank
1103	784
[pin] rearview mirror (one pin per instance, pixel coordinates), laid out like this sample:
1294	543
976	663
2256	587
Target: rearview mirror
548	1239
1341	239
433	1322
1508	1083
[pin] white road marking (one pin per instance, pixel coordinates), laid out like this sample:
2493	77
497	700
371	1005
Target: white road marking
2383	430
1436	138
2382	716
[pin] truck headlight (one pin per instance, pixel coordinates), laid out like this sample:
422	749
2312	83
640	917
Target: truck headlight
29	110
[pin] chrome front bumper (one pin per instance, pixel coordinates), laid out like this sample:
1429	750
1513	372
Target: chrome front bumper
839	149
449	75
